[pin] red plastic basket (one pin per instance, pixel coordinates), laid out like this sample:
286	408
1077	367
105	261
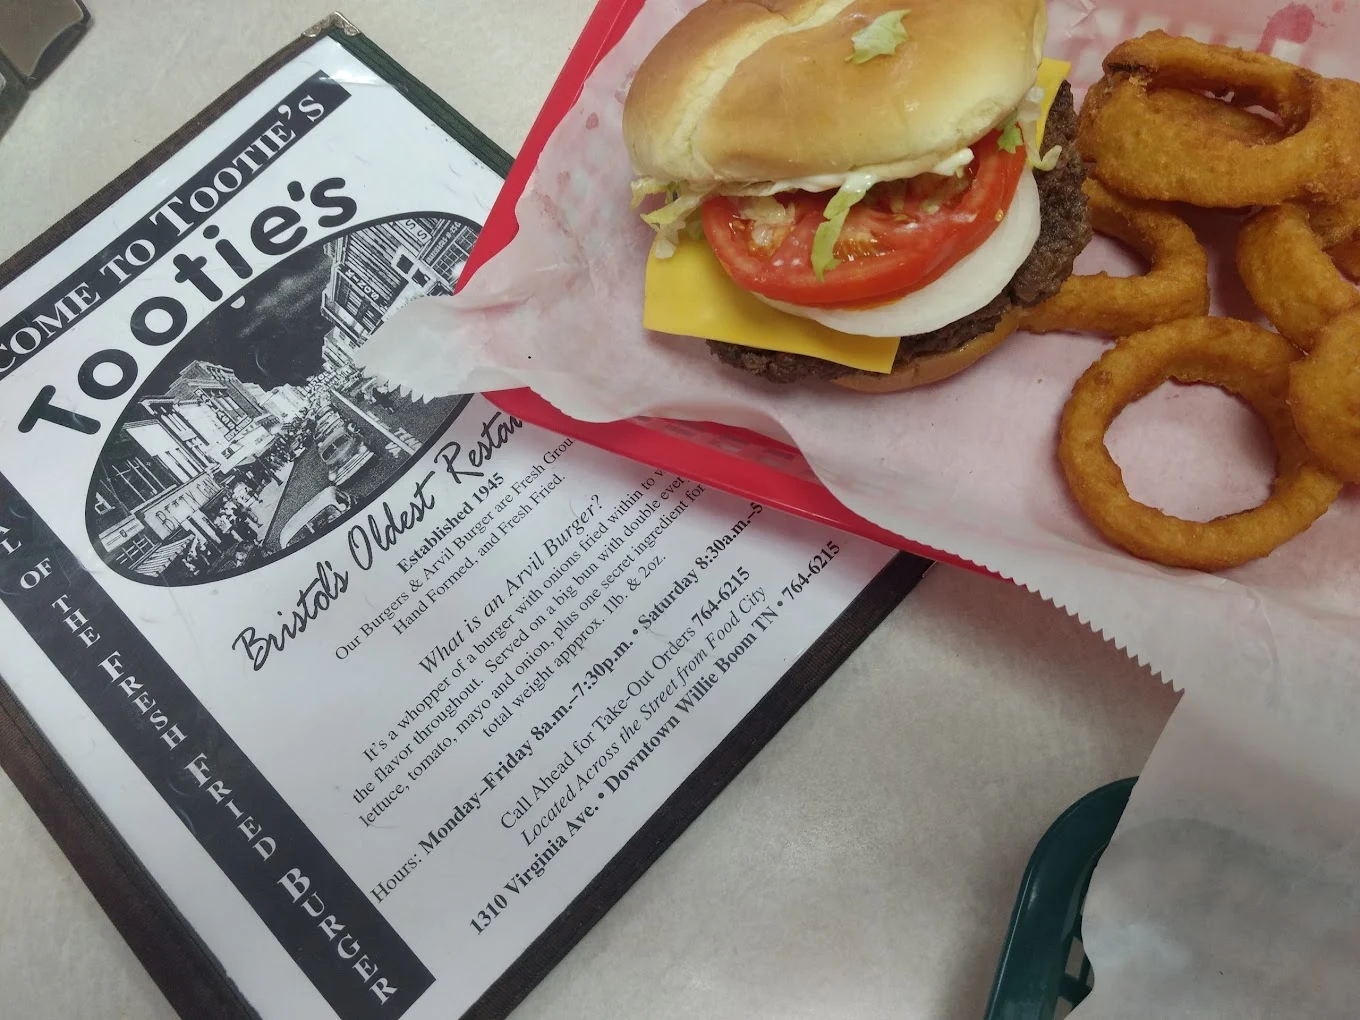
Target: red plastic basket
728	458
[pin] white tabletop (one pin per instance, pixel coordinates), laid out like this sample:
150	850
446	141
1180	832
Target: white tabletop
863	866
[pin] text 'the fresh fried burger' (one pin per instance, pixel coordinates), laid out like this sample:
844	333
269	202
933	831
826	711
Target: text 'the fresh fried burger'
853	190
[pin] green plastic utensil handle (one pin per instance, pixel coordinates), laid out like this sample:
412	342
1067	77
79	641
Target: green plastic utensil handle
1030	975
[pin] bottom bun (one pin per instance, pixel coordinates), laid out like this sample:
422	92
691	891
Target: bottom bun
929	368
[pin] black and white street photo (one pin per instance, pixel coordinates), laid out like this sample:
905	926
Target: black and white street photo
259	433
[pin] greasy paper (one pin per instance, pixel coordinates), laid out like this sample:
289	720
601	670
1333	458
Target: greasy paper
1231	886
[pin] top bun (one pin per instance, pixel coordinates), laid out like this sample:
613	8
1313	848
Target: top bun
744	91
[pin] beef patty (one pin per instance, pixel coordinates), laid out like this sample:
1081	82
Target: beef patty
1063	233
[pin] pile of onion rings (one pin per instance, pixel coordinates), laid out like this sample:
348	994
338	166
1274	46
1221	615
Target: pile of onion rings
1243	359
1176	287
1140	151
1175	120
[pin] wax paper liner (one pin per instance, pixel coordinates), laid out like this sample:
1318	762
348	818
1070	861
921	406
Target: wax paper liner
1230	889
968	466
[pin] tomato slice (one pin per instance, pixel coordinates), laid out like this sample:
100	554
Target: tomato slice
901	236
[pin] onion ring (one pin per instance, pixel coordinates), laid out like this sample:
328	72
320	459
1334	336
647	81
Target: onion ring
1338	231
1213	118
1334	223
1346	257
1240	357
1176	287
1292	280
1139	153
1324	395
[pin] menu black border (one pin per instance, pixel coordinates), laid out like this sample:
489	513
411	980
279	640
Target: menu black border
178	960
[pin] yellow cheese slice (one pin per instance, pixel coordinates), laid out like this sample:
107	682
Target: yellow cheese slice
1052	73
690	294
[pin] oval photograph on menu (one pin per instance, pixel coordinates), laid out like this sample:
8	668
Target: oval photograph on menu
258	434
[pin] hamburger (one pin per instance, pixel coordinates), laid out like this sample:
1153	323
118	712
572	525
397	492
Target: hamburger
854	190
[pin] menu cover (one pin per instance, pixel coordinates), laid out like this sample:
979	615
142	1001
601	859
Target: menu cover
345	704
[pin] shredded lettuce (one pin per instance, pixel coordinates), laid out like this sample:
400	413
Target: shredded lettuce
1027	117
879	38
770	220
1011	137
829	231
669	219
674	211
642	187
765	209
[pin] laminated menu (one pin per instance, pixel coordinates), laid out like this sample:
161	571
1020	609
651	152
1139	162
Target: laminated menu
348	704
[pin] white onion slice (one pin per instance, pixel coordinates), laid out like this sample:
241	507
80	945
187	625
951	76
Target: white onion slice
968	285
